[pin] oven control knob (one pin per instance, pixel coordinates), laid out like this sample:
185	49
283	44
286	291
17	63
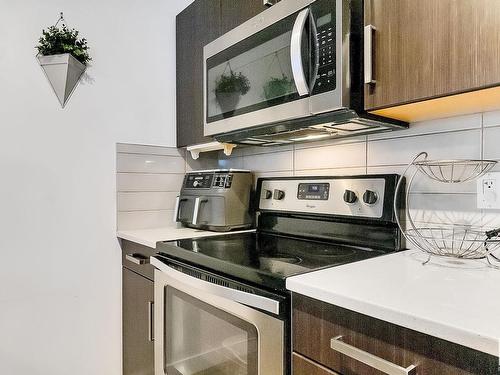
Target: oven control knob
278	194
350	196
268	194
370	197
195	183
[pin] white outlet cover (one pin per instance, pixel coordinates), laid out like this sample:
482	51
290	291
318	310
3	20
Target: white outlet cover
488	191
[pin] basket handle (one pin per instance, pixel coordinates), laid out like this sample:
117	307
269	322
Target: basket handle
407	196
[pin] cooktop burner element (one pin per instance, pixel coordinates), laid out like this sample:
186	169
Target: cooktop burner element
303	224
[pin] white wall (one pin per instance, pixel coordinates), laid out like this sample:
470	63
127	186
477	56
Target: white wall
60	266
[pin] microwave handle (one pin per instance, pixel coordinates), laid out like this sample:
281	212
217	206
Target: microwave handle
252	300
196	213
296	53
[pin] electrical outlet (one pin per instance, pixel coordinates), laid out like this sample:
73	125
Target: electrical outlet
488	194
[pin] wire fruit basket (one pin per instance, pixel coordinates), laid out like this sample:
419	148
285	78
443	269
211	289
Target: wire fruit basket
463	241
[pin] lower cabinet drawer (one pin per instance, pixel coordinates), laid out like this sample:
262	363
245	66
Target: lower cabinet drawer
304	366
355	344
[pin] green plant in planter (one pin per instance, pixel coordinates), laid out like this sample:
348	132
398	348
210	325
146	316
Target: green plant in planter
232	83
278	87
56	41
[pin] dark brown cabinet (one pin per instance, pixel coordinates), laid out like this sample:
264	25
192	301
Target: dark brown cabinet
432	49
138	348
200	23
315	324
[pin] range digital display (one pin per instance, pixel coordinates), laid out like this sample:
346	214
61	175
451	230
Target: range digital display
320	191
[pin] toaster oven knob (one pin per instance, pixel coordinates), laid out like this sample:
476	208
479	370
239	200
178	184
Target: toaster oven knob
195	183
268	194
278	194
350	197
370	197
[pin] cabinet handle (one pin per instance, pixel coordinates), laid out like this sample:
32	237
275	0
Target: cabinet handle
368	53
370	359
140	259
151	319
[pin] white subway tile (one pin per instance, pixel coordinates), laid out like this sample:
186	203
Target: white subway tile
491	118
231	162
205	161
272	162
443	125
459	145
145	219
492	143
423	184
138	163
332	172
148	182
336	156
331	142
146	201
149	150
257	150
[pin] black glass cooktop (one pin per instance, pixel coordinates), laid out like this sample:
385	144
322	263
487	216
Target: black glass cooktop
261	259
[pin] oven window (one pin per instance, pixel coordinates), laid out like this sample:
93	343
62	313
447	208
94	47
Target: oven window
255	73
203	340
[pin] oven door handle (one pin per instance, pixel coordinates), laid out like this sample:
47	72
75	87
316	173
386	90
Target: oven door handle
296	53
252	300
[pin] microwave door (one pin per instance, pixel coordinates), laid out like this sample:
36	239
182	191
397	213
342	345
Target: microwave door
261	78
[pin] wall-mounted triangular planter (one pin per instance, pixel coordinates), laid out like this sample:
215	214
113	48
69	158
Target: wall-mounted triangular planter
63	72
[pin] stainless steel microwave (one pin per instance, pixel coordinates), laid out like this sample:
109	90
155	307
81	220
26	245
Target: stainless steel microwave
293	73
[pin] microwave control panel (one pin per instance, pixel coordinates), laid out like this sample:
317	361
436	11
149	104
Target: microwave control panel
324	14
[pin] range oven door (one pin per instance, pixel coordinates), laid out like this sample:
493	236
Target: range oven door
204	328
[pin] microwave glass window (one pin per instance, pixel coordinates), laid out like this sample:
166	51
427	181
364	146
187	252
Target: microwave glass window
255	73
202	339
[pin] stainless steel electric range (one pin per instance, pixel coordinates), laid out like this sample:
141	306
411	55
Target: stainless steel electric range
221	306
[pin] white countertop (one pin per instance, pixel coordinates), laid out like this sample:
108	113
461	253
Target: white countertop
149	237
450	299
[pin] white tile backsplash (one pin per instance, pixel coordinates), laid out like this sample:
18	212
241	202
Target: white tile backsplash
453	145
148	180
467	136
334	156
144	163
492	143
127	182
146	201
270	162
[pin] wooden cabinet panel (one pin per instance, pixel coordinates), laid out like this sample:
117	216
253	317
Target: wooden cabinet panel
197	25
315	323
426	49
304	366
138	348
235	12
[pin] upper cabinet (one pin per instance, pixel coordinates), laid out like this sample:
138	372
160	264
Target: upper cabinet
431	49
197	25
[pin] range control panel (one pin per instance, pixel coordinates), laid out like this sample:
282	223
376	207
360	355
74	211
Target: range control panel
313	191
201	180
358	197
